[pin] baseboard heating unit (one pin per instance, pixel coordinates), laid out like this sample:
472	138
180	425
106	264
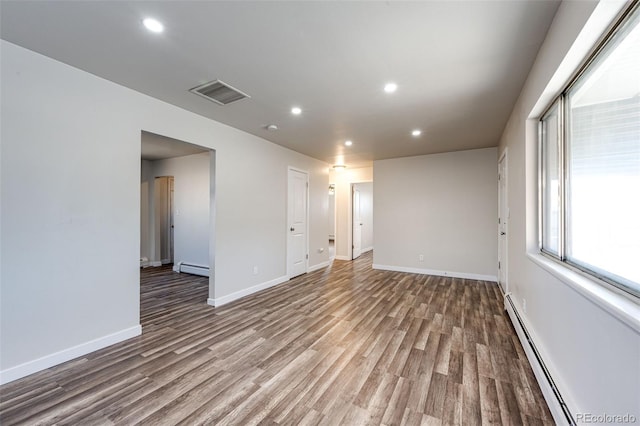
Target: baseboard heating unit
557	405
190	268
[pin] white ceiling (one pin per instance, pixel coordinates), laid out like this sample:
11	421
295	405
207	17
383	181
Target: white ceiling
459	65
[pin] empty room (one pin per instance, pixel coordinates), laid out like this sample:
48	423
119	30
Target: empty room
320	213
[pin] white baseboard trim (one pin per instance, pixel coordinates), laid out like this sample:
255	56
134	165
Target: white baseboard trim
339	257
319	266
191	268
155	263
545	386
219	301
47	361
364	250
436	272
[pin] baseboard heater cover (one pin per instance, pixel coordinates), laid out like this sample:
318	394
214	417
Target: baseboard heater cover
191	268
545	371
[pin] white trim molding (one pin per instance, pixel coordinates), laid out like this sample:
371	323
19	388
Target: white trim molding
340	257
219	301
364	250
319	266
436	272
47	361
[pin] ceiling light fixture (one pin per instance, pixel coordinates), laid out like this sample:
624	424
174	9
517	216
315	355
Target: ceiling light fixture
272	127
296	110
153	25
390	87
348	143
339	167
416	132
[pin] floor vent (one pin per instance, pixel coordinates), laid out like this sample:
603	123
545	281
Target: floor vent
219	92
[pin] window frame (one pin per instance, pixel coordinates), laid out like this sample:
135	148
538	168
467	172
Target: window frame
560	101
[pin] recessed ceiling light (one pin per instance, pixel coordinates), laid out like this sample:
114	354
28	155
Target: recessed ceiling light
348	143
272	127
390	87
416	132
153	25
296	110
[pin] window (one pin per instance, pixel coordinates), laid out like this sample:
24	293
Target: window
590	164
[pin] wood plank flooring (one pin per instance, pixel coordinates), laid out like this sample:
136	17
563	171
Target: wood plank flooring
344	345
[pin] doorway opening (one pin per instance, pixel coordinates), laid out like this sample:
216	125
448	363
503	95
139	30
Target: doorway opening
361	223
177	207
332	221
357	223
164	213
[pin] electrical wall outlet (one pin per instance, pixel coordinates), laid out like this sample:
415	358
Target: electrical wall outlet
421	258
255	270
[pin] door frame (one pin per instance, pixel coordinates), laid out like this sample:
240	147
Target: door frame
171	210
503	255
287	224
163	206
353	219
349	235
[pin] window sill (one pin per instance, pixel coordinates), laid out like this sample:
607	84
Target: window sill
620	306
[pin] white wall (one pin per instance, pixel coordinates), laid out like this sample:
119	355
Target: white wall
366	213
593	356
191	207
343	180
70	219
441	206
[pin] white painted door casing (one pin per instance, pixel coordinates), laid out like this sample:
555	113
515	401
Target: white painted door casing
357	224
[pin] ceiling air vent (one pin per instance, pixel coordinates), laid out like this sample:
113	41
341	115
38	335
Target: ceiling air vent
219	92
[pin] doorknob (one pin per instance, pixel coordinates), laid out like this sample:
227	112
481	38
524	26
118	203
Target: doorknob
292	229
503	233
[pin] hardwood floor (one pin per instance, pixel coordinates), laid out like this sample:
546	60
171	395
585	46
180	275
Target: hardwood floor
345	345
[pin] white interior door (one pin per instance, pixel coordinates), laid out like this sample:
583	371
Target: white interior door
357	224
297	253
503	222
